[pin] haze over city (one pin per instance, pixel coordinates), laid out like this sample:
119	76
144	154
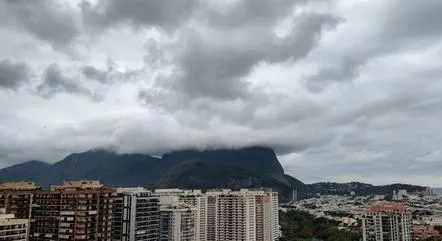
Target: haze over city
344	90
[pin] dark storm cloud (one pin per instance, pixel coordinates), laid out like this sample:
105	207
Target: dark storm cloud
110	74
218	43
209	69
405	25
409	20
13	75
346	71
91	72
165	14
206	66
45	19
54	82
247	13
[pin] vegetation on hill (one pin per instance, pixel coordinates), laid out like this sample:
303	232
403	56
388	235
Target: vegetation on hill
360	189
249	167
302	226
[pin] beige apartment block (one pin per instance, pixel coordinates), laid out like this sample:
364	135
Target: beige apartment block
242	215
386	222
12	228
193	198
76	210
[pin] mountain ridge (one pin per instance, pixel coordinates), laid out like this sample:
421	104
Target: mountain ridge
190	168
360	189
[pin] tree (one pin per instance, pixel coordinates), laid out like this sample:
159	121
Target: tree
302	226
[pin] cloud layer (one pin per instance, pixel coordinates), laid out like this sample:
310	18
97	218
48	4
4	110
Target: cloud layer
342	90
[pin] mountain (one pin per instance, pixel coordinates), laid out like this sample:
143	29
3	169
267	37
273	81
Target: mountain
219	168
28	169
360	189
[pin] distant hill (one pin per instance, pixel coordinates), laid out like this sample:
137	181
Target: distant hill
222	168
437	191
360	189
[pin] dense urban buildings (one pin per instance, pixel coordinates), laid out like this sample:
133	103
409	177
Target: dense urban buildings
387	222
85	210
12	228
349	211
243	215
136	215
76	210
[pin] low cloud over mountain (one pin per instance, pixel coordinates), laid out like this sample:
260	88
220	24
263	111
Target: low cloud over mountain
341	90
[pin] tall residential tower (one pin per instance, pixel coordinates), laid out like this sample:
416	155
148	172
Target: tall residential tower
136	215
76	210
386	222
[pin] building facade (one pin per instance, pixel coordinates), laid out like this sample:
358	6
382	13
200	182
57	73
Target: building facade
76	210
85	210
192	198
267	216
12	228
16	198
177	222
199	201
136	215
242	215
235	217
387	222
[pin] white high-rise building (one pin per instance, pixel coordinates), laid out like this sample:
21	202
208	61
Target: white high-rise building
267	215
276	233
235	216
225	215
177	222
12	228
136	215
193	198
386	222
243	215
199	201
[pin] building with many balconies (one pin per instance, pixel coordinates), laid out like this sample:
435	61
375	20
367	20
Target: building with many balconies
76	210
387	222
136	215
12	228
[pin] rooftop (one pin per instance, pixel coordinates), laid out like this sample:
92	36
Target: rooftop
78	185
387	207
21	185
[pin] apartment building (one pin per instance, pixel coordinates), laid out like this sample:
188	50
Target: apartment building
197	200
136	215
76	210
85	210
267	214
12	228
387	222
16	198
229	215
177	222
274	219
232	216
242	215
193	198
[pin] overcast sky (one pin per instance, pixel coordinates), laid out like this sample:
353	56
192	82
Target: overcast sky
343	90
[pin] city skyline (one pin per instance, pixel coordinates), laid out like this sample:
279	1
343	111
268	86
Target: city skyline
342	90
86	210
